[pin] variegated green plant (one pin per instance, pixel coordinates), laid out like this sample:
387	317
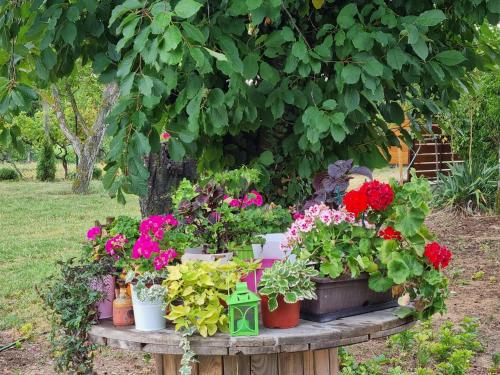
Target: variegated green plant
292	280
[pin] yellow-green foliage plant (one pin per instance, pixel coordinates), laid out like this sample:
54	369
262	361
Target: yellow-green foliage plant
195	291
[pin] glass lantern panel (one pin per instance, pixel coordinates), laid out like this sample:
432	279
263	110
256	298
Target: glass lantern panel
244	319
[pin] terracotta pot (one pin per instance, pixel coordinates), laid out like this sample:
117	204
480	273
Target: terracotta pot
287	315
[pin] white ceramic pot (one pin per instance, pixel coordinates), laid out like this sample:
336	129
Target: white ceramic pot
148	316
271	247
223	258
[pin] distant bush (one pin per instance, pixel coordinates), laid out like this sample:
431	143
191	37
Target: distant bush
97	173
471	186
8	174
46	167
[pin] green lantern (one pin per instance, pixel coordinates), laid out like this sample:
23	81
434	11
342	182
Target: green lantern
243	312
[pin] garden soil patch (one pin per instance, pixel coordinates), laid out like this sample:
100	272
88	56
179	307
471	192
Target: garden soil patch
474	284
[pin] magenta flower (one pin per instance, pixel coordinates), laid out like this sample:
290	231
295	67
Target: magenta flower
165	136
254	198
145	246
115	243
93	233
162	260
155	225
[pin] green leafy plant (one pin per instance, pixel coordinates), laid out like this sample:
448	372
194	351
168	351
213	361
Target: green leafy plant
71	303
471	186
292	280
96	173
424	350
8	174
46	167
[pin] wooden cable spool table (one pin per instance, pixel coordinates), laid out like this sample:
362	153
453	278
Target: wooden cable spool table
308	349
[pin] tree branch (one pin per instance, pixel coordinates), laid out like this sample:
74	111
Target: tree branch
109	98
76	111
63	124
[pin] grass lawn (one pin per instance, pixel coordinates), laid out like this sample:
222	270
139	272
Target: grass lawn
40	224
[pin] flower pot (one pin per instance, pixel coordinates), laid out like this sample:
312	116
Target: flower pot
253	278
287	315
271	248
343	297
105	285
149	316
223	258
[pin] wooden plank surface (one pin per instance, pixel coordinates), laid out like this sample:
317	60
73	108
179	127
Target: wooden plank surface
334	361
236	365
308	359
291	363
308	335
321	362
266	364
210	365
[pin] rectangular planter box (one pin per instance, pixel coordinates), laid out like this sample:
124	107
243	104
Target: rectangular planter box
343	297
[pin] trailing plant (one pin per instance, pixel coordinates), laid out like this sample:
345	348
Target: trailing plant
330	186
379	230
8	174
46	167
71	302
445	350
292	280
471	186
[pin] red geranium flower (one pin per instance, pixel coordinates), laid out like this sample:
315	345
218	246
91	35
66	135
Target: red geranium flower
390	233
355	202
438	255
378	194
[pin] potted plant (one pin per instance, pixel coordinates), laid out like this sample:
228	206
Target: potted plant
282	287
148	300
374	242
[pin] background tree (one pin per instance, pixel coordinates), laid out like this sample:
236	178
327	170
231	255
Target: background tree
285	85
46	166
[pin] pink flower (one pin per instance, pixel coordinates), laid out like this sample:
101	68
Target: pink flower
115	243
235	203
326	218
144	246
162	260
253	198
297	216
165	136
155	225
93	233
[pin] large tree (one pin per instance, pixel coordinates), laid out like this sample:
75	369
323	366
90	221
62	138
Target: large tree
286	85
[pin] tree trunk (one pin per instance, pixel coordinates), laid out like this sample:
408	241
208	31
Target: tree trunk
164	177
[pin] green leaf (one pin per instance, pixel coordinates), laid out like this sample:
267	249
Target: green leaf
450	57
218	56
68	32
304	168
410	220
193	33
362	41
187	8
420	48
272	303
266	158
145	85
216	97
338	133
160	22
493	6
141	39
431	17
269	74
398	271
176	149
404	311
329	104
253	4
345	19
250	66
290	297
351	74
396	58
379	283
299	50
373	67
73	13
392	112
171	38
351	99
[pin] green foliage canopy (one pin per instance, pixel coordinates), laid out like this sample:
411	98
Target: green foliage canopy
265	82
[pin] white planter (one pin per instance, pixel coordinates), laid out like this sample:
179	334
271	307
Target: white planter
223	258
148	316
271	248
